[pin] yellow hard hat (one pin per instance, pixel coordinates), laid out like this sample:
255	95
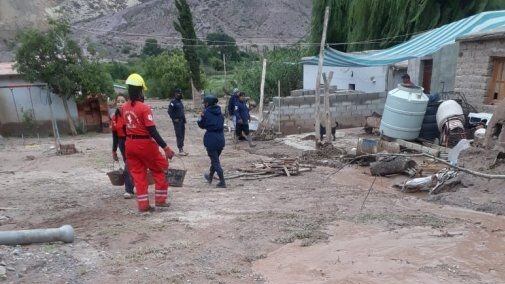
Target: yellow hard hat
136	80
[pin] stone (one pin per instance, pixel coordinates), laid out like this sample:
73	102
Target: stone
3	272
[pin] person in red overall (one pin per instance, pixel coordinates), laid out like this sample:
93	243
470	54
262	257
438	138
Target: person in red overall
142	146
117	126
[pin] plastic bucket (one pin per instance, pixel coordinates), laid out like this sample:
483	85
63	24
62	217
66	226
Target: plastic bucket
367	146
175	177
116	177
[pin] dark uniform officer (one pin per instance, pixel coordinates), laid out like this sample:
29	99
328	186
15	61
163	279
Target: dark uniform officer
242	116
212	120
176	113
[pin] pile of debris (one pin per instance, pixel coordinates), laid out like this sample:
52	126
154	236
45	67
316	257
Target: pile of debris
265	135
326	155
272	168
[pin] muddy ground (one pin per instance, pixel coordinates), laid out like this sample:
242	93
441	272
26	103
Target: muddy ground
303	229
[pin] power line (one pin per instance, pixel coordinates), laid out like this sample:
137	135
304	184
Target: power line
231	43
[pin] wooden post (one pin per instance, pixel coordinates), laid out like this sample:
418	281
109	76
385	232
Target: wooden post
318	78
262	90
224	66
327	115
279	109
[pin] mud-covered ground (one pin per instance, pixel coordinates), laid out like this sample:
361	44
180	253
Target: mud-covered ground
302	229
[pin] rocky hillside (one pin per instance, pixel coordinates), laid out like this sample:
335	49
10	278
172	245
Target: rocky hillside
115	23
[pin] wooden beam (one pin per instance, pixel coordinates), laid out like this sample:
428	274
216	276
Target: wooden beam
319	72
262	90
327	115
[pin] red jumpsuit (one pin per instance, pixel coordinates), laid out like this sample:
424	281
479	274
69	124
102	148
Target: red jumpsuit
143	153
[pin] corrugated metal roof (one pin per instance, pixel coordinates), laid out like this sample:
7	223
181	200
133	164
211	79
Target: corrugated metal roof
419	46
7	68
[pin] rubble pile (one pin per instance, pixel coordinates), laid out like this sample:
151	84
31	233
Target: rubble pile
326	155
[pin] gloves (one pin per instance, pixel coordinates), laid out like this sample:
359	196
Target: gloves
169	154
114	156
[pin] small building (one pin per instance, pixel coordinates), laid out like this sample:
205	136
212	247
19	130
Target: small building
25	108
370	79
432	59
480	72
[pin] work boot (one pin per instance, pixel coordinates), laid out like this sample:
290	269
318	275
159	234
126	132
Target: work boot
163	205
221	184
128	195
208	177
249	140
148	210
182	153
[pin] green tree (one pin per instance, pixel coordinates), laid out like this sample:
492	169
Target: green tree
151	47
94	79
118	70
52	58
223	44
165	73
392	21
184	25
55	59
282	65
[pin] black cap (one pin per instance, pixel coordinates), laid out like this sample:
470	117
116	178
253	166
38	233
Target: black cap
178	91
210	100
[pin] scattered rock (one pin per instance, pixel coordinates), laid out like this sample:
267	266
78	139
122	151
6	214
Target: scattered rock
10	268
2	263
30	158
3	272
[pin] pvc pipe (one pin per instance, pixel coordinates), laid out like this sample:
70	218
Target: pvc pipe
24	237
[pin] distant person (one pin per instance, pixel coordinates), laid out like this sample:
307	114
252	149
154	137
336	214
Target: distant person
230	111
242	117
118	128
176	113
212	120
406	81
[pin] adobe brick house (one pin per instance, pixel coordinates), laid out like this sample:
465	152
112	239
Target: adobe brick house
480	71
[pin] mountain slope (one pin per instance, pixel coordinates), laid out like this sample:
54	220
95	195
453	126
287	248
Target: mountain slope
112	21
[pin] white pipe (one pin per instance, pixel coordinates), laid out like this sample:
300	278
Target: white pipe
24	237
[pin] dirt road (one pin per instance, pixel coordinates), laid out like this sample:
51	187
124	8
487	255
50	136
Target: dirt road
281	230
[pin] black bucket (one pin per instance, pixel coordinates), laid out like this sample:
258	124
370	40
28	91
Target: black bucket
116	177
175	177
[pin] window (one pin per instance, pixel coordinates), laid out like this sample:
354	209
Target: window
496	88
352	86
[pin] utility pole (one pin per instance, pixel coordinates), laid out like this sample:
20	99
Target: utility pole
318	78
224	66
262	90
327	114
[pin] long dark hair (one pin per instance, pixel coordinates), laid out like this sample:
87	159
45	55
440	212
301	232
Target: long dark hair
135	94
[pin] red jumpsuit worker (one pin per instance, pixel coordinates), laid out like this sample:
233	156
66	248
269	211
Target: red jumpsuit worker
142	151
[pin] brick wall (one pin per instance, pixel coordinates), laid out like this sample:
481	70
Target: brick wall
474	69
350	109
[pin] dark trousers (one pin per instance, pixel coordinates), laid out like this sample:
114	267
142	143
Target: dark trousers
180	129
128	183
242	128
215	164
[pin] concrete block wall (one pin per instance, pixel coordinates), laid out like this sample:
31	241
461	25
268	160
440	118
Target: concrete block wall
349	109
474	70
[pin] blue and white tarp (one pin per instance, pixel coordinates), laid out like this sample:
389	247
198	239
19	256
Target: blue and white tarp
419	46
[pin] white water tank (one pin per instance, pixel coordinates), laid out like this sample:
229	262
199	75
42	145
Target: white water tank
447	110
404	112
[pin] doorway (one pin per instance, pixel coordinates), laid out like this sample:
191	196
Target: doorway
427	66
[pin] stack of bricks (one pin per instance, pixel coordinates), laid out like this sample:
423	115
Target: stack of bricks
349	109
475	67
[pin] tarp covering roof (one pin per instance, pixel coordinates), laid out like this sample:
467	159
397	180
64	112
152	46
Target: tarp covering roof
419	46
